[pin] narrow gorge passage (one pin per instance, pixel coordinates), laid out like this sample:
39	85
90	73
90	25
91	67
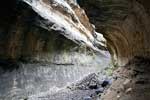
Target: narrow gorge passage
68	50
39	63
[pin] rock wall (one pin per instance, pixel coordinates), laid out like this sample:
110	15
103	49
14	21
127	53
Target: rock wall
35	63
125	25
22	39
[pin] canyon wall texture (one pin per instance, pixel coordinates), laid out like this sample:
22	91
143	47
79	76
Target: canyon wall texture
22	38
35	63
24	28
125	25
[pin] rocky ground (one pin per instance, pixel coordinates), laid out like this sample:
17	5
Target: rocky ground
132	81
50	81
89	88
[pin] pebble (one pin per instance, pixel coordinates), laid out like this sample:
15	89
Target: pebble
105	83
118	96
87	98
99	90
128	90
127	81
93	85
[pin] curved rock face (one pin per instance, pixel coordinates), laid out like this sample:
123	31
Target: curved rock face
50	61
124	24
68	18
20	27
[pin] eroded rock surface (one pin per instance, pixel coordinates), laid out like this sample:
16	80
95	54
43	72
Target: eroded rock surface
124	24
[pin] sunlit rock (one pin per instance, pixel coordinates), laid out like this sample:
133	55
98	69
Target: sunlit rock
68	18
